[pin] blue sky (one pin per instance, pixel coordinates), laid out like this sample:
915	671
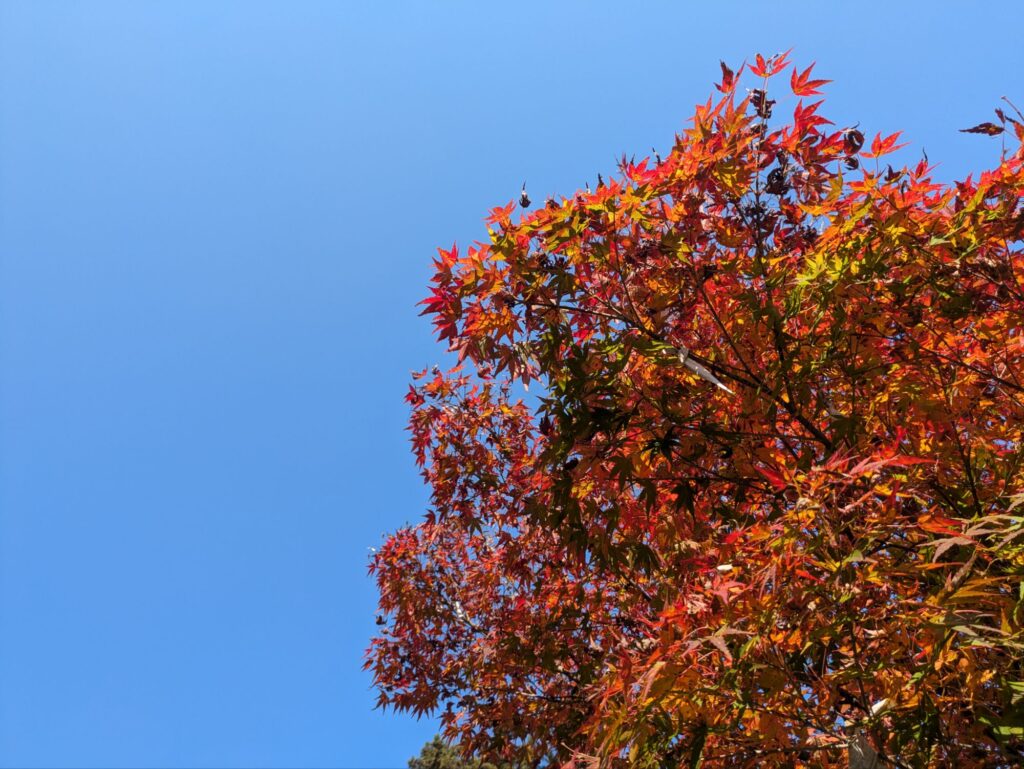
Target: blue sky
215	221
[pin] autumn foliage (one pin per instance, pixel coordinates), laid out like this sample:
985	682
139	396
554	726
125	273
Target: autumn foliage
760	502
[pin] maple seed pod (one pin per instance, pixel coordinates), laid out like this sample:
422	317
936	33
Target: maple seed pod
988	129
524	199
776	183
761	103
853	140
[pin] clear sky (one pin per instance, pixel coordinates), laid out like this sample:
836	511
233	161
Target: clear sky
215	221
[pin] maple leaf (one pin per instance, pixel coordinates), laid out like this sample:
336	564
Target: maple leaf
883	146
803	86
765	68
728	78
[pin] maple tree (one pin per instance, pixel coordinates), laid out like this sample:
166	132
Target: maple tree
760	506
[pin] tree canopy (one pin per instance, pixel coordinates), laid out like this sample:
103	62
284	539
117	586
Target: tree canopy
760	503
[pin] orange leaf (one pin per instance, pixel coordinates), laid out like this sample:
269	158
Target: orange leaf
880	146
760	66
775	479
728	78
772	66
500	213
802	86
936	524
